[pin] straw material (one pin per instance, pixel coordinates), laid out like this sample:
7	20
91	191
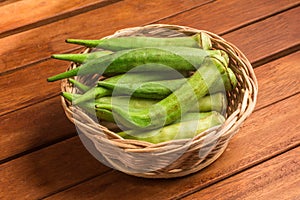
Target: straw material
173	158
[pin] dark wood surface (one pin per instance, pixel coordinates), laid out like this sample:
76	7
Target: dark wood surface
40	152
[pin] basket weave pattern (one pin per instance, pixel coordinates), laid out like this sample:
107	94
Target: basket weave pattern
187	156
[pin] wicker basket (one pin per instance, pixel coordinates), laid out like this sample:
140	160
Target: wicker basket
179	157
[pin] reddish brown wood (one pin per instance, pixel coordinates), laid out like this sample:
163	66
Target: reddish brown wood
51	169
278	79
39	72
274	32
27	12
228	15
267	133
33	126
286	29
49	39
6	2
277	178
260	138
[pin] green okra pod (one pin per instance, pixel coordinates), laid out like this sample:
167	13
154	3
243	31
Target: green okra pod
90	108
145	59
81	58
161	89
172	107
215	102
98	92
149	90
121	43
93	93
79	85
192	125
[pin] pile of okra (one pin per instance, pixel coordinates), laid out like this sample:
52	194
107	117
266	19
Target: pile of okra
154	89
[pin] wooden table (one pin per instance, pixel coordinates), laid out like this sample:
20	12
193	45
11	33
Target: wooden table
41	154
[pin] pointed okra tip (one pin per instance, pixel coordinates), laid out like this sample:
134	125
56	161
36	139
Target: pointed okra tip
71	40
58	56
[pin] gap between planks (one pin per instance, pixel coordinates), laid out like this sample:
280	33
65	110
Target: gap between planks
253	165
275	179
58	17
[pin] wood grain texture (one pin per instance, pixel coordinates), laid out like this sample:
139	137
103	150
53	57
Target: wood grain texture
51	169
260	138
286	33
269	34
276	179
228	15
38	44
255	50
33	126
36	12
278	80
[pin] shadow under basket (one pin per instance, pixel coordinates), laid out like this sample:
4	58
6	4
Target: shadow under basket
178	157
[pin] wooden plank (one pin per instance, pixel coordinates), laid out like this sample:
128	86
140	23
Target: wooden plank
223	16
51	169
260	138
278	79
33	126
259	36
16	136
284	21
28	86
6	2
32	13
277	178
43	70
49	39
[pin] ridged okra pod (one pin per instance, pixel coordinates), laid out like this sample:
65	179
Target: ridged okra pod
161	89
145	59
215	102
97	92
194	124
79	85
81	58
201	40
90	108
